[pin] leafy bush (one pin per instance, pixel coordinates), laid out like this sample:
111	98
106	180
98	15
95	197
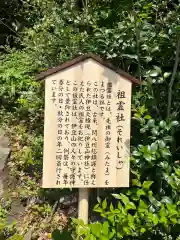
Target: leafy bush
151	207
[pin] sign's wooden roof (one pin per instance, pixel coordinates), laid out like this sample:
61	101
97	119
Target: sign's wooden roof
83	58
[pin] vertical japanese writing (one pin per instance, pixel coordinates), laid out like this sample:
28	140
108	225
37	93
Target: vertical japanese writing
108	136
81	126
120	119
74	133
60	118
68	136
94	130
87	135
54	91
81	105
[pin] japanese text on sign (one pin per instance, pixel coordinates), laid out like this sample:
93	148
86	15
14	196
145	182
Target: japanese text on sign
91	124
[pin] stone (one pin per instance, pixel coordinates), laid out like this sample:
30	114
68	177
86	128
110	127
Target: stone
4	149
1	188
16	207
4	155
17	210
68	200
28	235
4	140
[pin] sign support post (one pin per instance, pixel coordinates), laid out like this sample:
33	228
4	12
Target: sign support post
83	205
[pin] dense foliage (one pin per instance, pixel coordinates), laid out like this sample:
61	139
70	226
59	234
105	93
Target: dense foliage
143	38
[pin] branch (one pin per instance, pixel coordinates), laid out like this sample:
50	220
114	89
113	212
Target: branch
173	78
155	102
137	30
138	51
10	28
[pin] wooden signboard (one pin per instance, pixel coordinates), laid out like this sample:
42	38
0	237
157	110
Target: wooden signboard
87	125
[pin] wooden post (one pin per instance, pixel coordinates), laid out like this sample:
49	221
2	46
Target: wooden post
83	204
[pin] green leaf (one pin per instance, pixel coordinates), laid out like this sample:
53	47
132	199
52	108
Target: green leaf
111	218
154	146
117	196
161	144
98	209
150	193
81	230
154	73
147	184
99	200
171	207
116	211
162	211
92	237
154	201
174	123
165	152
162	124
153	217
147	157
119	205
119	235
126	230
168	138
105	228
177	171
96	229
142	230
142	206
166	200
173	220
104	204
148	59
154	131
130	56
164	220
147	117
142	110
113	232
171	181
143	130
124	199
167	74
136	182
131	221
158	69
111	207
151	123
104	238
130	205
96	206
136	154
140	192
77	221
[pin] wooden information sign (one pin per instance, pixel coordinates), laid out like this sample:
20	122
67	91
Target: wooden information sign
87	125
